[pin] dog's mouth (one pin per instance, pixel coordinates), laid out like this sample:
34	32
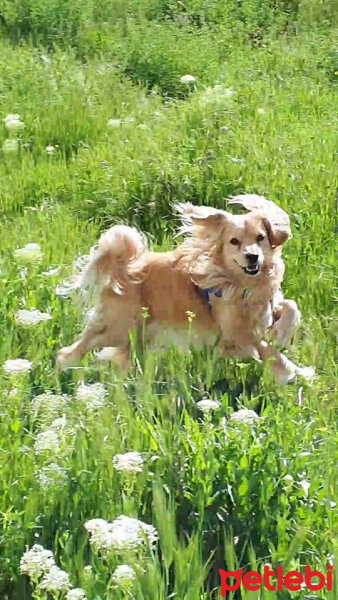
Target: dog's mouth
250	270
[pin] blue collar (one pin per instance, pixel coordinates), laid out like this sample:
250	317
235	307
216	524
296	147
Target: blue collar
206	298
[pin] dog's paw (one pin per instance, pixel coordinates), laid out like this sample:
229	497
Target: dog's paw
290	373
281	335
106	354
65	358
284	328
308	373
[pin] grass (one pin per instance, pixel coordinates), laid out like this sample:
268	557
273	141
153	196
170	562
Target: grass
216	491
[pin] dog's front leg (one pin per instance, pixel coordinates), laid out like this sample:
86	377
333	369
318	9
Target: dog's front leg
283	369
286	319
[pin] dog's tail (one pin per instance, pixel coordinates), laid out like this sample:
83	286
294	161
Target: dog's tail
117	260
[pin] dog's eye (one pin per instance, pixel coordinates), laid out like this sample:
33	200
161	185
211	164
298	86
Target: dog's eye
260	237
234	242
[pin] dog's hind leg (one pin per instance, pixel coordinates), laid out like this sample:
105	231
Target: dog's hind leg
109	325
94	335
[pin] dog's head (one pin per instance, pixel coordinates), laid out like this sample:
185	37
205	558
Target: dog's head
246	242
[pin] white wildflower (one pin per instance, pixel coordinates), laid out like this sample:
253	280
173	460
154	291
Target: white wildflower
52	476
92	395
305	485
12	393
11	117
100	531
288	479
207	405
123	534
31	316
51	272
10	146
228	93
13	123
66	288
49	402
50	149
217	95
244	415
124	576
45	60
55	580
88	570
47	441
59	423
17	365
114	123
187	79
130	533
29	253
36	561
76	594
260	111
130	461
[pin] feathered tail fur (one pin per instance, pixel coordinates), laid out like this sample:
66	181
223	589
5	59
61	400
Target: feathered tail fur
117	260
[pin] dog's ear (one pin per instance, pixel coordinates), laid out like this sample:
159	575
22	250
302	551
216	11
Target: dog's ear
201	220
275	220
277	235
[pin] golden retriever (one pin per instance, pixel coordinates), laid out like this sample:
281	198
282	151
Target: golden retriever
220	285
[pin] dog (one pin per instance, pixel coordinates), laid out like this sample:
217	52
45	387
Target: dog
221	286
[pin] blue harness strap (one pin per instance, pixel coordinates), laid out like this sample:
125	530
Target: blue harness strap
206	295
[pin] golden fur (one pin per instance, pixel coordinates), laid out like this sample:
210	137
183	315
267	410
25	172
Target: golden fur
239	255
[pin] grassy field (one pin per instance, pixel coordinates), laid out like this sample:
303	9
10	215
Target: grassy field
108	133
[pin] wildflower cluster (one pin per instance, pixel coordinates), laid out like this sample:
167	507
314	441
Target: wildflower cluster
92	395
207	405
13	125
36	562
47	441
51	476
217	96
123	534
30	253
124	576
131	462
49	404
245	416
17	365
76	594
31	317
39	565
187	79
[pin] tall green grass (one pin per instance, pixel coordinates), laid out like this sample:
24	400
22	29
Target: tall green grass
221	495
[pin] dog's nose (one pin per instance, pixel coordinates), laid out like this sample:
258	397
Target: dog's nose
251	258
